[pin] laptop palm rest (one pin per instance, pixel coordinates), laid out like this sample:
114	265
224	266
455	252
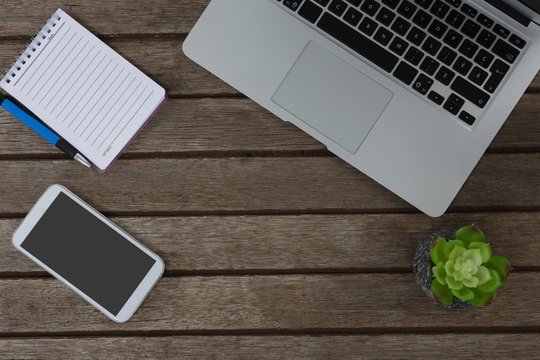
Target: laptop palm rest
332	97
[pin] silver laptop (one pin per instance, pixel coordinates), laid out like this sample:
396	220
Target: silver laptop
410	92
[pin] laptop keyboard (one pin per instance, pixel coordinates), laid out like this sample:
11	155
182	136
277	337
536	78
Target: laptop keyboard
446	51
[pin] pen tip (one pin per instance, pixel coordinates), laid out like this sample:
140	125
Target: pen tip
82	160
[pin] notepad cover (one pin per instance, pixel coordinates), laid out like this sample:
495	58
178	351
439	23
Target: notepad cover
81	88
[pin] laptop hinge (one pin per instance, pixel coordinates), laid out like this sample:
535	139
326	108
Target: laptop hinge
510	11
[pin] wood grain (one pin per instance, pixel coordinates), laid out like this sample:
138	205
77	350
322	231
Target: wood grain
236	185
270	246
161	59
346	302
105	17
304	243
212	125
189	126
239	126
367	347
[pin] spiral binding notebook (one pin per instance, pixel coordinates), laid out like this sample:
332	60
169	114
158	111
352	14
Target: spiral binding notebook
83	90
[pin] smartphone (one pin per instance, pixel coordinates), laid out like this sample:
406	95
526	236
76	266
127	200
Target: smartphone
88	253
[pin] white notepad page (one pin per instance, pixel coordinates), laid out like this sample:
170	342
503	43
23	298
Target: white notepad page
82	89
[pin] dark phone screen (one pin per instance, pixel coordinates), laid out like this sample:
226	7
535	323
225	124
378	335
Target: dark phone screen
88	253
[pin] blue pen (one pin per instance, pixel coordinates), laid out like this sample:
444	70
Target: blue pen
15	110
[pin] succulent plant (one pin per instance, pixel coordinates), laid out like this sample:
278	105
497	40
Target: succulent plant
464	268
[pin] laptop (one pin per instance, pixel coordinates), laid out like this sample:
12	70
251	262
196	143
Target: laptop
409	92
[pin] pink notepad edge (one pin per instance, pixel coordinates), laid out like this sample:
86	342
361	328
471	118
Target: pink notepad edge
160	106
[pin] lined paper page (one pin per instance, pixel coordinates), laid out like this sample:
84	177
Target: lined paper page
83	90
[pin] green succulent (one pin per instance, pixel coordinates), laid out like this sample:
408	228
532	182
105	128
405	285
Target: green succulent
464	268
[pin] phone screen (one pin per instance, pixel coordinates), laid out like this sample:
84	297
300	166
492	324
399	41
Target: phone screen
88	253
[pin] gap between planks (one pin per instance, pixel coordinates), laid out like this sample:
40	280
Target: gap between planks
493	331
261	273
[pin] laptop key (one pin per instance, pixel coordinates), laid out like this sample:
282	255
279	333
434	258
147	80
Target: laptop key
436	97
484	58
391	3
368	26
416	36
470	92
462	65
453	98
429	65
455	3
469	10
370	7
352	16
437	29
385	16
445	75
517	41
424	3
468	48
506	51
292	4
407	9
467	118
337	7
455	19
451	107
470	29
422	19
414	56
486	39
401	26
447	55
478	76
323	3
484	20
440	9
453	38
498	72
354	2
431	46
405	73
310	11
358	42
422	84
383	36
501	31
399	46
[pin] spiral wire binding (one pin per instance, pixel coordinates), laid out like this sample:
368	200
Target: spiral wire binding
31	48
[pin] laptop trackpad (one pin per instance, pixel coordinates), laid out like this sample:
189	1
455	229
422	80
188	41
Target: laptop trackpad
332	97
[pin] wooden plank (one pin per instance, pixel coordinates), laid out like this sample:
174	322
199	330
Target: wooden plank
232	125
262	185
347	302
188	126
106	17
239	126
161	59
305	243
367	347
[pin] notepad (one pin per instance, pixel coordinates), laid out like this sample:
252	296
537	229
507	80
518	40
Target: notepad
83	90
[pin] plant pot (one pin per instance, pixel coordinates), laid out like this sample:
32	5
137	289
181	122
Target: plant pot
422	266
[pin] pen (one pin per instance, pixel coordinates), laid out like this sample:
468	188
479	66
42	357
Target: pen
15	110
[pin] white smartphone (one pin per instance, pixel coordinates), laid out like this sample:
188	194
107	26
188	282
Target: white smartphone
87	252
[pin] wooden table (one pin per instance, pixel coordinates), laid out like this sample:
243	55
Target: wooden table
274	248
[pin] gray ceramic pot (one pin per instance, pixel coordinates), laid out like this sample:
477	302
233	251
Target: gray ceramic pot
422	266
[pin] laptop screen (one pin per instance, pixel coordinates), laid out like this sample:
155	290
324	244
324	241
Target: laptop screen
533	4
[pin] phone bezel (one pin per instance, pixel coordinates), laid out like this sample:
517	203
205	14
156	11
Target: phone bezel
140	293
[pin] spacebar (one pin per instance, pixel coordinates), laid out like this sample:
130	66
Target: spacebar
358	42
